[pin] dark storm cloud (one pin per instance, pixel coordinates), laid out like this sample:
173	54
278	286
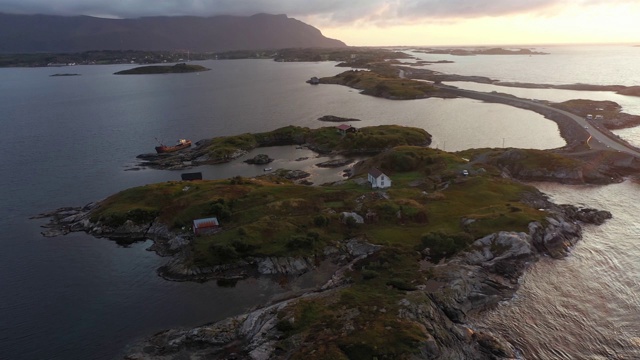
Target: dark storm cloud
336	11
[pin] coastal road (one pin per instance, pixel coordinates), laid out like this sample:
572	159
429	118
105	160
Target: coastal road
597	140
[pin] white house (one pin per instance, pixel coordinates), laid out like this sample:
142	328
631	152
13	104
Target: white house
378	179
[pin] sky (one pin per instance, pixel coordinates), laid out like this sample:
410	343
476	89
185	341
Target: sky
397	22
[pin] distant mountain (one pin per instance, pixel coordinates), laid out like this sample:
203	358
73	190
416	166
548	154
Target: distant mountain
46	33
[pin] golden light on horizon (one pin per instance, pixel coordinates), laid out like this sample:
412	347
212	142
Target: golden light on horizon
572	25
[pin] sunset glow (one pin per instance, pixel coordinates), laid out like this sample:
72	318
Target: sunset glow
571	25
397	22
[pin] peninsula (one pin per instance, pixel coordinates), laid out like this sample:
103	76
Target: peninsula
163	69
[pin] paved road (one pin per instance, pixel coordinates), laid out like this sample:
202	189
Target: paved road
598	139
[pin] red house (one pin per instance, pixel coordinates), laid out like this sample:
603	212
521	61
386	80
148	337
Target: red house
205	226
344	129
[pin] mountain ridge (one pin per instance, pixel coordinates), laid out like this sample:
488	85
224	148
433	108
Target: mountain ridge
53	33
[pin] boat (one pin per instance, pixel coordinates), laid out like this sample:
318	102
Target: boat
180	144
268	169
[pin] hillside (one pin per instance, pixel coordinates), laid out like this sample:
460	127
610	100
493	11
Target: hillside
46	33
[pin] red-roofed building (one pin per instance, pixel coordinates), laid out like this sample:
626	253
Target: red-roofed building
205	226
344	129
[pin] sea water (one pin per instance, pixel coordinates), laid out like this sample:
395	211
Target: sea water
67	141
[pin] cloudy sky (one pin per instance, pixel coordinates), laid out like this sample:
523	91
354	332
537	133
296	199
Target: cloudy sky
397	22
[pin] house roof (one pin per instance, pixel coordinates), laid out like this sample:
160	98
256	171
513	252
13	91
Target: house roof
375	172
204	223
344	127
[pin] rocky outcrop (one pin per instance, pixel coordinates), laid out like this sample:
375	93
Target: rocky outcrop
174	244
284	265
293	174
185	159
440	305
253	335
453	292
563	166
260	159
335	163
181	268
352	215
78	219
248	336
485	275
332	118
586	215
489	271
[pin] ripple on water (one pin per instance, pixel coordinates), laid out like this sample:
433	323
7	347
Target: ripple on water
587	305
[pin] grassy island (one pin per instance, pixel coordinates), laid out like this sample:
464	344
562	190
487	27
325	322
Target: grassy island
448	239
270	216
383	82
162	69
325	140
432	208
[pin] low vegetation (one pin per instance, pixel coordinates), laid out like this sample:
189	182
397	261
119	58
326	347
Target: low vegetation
382	82
271	216
520	159
326	139
432	211
611	113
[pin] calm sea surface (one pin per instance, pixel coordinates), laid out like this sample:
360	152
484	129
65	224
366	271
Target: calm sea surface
67	141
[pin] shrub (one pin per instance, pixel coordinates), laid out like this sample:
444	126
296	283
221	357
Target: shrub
321	221
138	216
351	222
369	274
297	242
242	246
237	180
220	210
442	244
222	253
284	326
401	284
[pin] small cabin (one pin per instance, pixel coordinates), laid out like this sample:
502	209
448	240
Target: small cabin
205	226
589	117
599	117
378	179
344	129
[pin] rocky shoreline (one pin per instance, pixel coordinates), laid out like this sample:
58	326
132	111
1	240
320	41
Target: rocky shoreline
467	284
199	155
457	288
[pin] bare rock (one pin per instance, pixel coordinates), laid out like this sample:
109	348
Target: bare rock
335	163
259	159
284	265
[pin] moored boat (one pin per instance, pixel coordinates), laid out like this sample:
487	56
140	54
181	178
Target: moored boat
181	144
